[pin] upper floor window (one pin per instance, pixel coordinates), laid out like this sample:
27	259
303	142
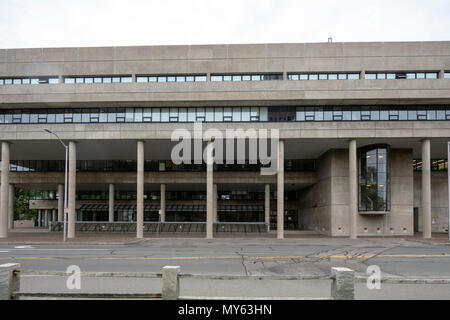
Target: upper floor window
29	80
98	79
171	78
246	77
447	75
401	75
323	76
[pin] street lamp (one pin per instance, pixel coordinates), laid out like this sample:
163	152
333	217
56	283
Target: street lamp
65	182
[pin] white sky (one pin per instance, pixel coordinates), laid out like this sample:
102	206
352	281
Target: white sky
73	23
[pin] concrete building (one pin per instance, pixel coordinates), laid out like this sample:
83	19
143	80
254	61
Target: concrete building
363	131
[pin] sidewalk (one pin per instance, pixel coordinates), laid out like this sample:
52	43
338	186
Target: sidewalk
43	236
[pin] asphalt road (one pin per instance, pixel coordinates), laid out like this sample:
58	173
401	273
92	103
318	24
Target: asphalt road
395	257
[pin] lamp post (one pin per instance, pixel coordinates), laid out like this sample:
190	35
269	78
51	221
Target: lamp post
65	182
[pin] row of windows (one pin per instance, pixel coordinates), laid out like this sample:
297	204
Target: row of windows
298	165
187	78
436	165
246	77
221	77
372	113
156	195
324	76
402	75
106	79
226	114
27	80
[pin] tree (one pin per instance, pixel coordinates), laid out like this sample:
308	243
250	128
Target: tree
22	205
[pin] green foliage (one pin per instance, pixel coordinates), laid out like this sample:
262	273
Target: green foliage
22	205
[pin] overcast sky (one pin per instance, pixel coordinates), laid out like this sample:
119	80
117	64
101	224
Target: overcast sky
63	23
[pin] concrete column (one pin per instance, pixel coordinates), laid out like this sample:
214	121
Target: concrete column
163	202
54	215
140	191
442	74
426	188
353	189
45	218
60	202
267	207
39	219
11	207
72	189
4	189
111	203
209	191
280	191
215	216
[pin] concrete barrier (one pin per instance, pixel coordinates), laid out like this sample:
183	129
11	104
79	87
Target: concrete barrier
171	283
9	280
343	285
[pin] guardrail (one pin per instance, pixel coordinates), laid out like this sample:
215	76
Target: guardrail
342	288
170	227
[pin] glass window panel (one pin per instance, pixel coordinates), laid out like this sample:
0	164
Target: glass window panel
152	79
79	80
432	75
162	79
447	75
356	115
218	114
303	77
200	78
420	75
390	76
216	78
89	80
237	78
190	78
236	114
182	114
116	79
300	116
129	115
353	76
257	77
227	78
141	79
76	116
410	76
138	115
156	114
106	80
34	81
171	79
126	79
245	116
164	114
323	77
313	77
263	114
332	76
1	82
98	80
191	114
209	114
371	76
17	81
8	81
342	76
431	115
246	78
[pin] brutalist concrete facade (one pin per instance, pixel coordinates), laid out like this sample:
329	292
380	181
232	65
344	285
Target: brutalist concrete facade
326	196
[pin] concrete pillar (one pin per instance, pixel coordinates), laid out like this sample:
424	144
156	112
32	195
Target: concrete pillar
353	189
72	189
280	191
426	188
163	202
54	214
111	203
215	216
209	190
46	218
442	74
171	283
267	207
11	207
60	202
140	191
39	218
343	285
4	190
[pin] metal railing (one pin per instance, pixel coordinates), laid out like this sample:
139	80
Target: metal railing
166	227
